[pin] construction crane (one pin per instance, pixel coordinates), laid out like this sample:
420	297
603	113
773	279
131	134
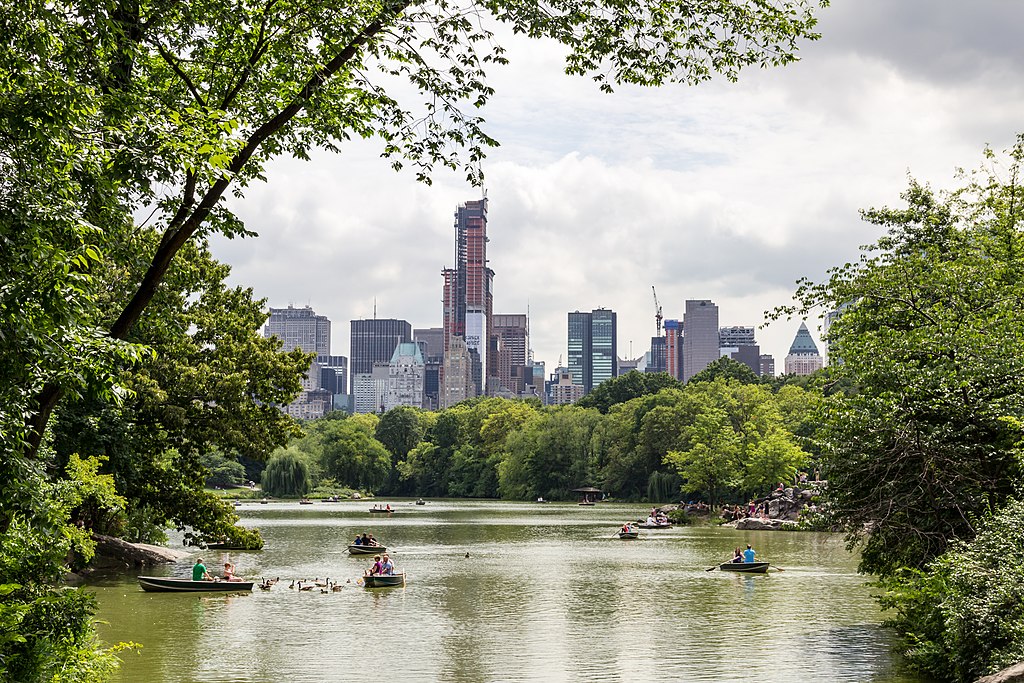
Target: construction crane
657	311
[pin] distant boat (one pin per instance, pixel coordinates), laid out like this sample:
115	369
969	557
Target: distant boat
367	549
380	510
541	500
384	580
160	584
656	525
587	502
631	534
421	502
305	501
224	545
745	567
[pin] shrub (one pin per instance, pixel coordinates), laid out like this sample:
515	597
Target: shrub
963	616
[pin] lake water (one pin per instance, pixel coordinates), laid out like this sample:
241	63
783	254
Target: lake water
547	593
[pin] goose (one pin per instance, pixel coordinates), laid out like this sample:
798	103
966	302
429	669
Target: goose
292	584
307	587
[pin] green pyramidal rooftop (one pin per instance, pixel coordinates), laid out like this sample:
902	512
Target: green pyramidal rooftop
803	345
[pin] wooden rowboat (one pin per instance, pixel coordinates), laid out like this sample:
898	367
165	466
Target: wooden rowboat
625	535
161	584
745	567
367	549
381	510
666	525
384	580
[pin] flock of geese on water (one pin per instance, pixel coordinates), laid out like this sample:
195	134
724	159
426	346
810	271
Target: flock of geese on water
325	586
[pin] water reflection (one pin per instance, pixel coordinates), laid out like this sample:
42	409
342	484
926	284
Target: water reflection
547	593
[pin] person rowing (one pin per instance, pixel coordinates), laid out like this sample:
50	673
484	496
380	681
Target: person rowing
376	568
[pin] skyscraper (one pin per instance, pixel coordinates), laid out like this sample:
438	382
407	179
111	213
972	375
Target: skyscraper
593	347
579	339
700	336
406	373
803	358
374	341
603	347
468	289
673	349
658	361
300	328
737	342
511	333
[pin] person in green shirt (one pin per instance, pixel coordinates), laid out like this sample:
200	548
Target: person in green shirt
199	571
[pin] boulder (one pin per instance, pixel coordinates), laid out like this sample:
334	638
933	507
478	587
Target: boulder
1013	674
113	552
755	524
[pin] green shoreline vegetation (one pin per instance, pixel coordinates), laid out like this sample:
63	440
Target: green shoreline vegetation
132	373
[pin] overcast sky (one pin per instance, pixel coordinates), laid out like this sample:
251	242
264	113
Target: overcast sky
724	191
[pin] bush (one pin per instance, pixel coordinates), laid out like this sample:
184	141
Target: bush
963	616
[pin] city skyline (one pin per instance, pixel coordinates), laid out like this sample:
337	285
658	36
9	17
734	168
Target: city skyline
726	192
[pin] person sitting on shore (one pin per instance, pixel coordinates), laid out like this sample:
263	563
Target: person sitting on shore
375	569
199	572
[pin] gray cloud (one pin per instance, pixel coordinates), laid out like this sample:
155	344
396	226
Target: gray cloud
724	191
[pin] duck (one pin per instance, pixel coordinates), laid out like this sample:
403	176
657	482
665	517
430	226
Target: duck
292	584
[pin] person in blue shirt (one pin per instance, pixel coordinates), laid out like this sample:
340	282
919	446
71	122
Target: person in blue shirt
359	540
748	554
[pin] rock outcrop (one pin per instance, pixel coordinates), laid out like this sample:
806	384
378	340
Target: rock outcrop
114	552
1013	674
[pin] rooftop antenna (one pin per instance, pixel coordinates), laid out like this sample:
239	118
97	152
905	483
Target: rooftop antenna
374	308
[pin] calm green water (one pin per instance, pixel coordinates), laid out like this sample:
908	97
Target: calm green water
546	594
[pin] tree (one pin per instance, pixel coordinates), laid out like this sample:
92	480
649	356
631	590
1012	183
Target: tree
223	472
351	455
114	111
726	368
287	474
625	387
931	338
711	463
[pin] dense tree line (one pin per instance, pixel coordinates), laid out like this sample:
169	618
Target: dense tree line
718	439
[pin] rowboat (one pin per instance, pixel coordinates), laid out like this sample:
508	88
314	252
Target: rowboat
161	584
380	510
421	502
666	525
586	502
383	580
305	501
624	535
366	549
745	567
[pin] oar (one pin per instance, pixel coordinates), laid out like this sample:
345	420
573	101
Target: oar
775	566
709	569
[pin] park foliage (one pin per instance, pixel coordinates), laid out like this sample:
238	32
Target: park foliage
922	447
126	126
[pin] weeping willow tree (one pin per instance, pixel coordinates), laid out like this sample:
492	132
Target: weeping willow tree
662	486
287	474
